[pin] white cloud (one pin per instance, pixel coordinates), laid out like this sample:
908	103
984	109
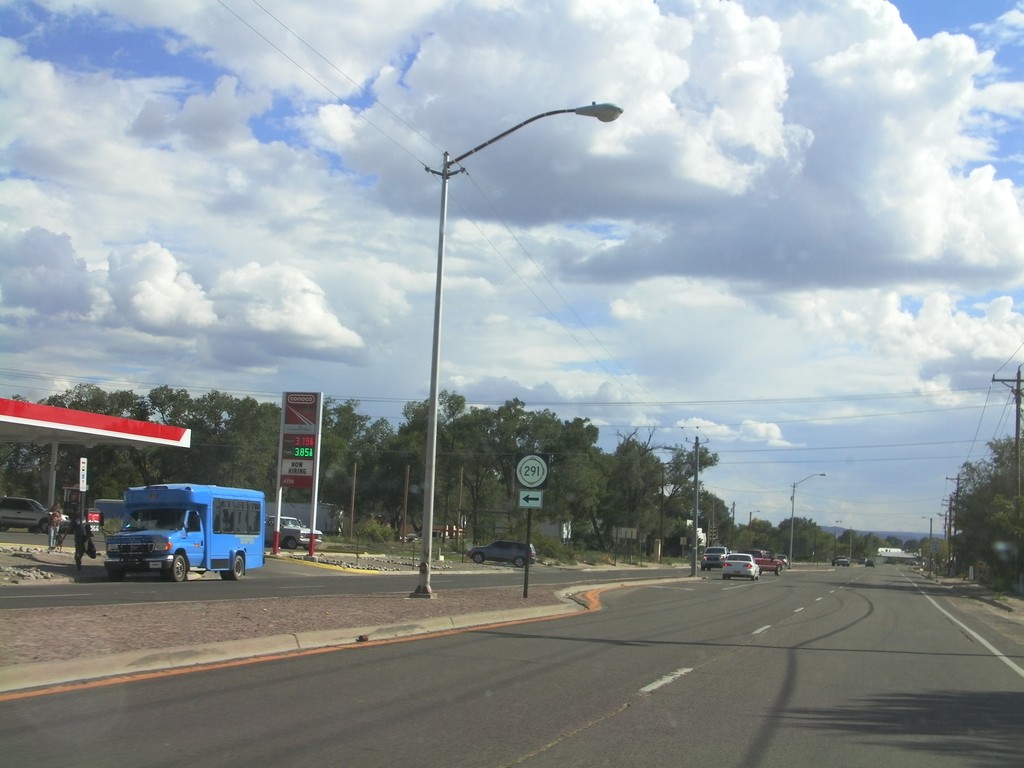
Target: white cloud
283	306
153	292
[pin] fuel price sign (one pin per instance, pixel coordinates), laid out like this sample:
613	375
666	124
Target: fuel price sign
298	460
299	447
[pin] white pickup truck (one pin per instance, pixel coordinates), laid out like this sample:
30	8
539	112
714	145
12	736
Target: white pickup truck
293	533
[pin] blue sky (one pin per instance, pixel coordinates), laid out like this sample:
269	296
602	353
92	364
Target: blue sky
802	241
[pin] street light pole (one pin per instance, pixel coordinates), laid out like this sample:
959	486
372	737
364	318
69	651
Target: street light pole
606	113
792	510
696	504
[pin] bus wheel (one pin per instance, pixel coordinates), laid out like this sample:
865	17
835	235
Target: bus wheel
179	569
237	569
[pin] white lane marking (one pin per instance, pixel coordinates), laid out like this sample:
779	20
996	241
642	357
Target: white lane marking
665	680
798	610
765	628
818	599
991	648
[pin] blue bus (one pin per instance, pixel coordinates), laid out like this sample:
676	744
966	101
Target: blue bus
180	527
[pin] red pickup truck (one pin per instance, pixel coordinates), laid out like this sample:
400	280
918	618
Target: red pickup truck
764	559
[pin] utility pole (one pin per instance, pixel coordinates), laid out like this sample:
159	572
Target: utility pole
1016	388
661	514
954	502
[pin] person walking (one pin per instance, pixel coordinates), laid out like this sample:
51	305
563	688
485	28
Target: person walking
82	531
56	520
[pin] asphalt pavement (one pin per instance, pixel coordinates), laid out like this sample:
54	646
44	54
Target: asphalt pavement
387	621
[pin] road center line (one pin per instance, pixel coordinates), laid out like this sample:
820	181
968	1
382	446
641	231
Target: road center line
798	610
765	628
665	680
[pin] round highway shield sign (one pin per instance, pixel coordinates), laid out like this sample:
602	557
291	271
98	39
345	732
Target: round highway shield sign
532	471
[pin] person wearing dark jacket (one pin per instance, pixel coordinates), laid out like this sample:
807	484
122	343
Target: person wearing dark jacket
80	527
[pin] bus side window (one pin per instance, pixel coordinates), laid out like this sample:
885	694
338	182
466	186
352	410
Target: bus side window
193	522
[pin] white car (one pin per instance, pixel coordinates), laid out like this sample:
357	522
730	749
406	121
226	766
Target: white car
741	566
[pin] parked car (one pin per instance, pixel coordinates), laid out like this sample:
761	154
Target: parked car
16	512
869	563
293	533
515	552
843	561
713	558
740	566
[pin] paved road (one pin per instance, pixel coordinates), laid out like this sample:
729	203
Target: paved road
287	577
852	667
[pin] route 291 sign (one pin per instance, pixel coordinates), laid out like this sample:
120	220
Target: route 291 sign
532	471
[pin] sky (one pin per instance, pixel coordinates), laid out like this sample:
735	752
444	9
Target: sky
802	243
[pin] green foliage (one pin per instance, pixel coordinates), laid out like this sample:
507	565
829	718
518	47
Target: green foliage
375	531
987	515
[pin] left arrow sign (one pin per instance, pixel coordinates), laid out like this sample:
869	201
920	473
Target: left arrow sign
531	499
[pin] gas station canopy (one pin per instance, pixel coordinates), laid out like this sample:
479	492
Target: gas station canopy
23	422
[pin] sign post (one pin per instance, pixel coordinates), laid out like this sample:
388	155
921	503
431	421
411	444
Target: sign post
532	478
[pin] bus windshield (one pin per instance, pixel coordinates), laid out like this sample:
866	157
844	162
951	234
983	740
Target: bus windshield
155	519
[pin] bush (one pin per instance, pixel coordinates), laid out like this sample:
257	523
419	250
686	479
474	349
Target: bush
375	531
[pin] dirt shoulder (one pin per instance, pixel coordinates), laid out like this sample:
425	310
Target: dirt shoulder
35	634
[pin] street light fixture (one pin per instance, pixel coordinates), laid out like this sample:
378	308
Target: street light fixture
606	113
792	510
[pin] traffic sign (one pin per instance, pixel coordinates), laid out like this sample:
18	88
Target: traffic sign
531	499
532	471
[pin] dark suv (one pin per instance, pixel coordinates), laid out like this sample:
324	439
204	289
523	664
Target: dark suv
515	552
23	513
713	558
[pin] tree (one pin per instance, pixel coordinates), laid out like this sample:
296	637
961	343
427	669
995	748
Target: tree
806	538
632	497
759	534
988	520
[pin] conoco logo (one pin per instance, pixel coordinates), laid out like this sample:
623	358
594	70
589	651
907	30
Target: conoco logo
301	399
